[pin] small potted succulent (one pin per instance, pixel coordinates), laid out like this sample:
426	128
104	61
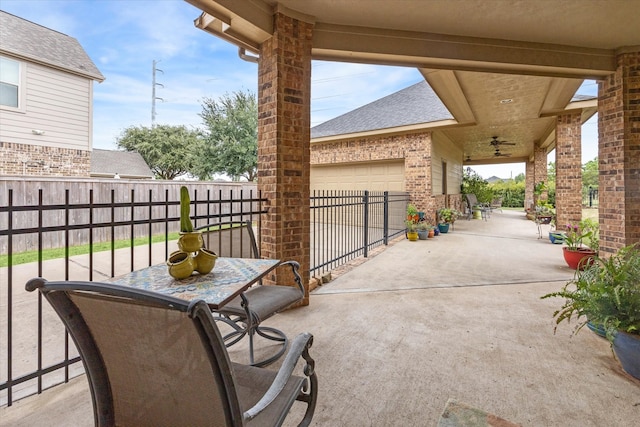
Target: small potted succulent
607	294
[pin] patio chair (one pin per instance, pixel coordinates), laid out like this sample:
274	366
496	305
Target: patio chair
496	204
246	312
155	360
472	201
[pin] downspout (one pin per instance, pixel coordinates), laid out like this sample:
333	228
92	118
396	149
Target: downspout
242	53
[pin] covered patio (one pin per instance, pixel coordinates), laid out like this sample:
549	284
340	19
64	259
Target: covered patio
455	317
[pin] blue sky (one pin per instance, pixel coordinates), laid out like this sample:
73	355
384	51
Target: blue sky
124	37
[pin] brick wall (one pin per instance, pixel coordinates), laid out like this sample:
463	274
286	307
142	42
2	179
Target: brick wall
38	160
568	169
414	148
284	102
619	154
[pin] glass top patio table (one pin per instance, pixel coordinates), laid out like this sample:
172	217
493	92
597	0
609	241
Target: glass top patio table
229	278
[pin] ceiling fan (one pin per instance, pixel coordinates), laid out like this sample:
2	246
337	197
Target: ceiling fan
494	142
499	154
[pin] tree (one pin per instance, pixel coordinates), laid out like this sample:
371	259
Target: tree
232	137
473	183
551	172
590	174
170	151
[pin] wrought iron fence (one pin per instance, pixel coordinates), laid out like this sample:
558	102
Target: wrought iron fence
590	197
112	236
348	224
120	231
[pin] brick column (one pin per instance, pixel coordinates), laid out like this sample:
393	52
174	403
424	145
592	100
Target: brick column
284	100
568	169
619	154
417	172
528	184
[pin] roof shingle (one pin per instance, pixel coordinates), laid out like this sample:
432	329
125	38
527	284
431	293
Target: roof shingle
31	41
410	106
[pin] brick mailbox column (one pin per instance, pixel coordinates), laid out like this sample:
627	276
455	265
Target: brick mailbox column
284	100
568	169
619	154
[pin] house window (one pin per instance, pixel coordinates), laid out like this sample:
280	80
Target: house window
9	82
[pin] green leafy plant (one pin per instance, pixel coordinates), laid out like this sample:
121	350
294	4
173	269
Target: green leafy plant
585	233
423	226
447	215
185	205
606	293
411	225
539	187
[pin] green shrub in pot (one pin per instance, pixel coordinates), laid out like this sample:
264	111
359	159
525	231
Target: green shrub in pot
607	293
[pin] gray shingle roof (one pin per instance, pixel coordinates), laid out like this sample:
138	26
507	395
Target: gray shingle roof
34	42
127	164
578	97
410	106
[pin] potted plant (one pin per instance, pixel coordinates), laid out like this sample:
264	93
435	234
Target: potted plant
446	216
423	228
412	222
412	230
582	243
607	293
189	240
412	213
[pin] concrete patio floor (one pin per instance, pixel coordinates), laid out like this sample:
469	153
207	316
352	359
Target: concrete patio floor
458	316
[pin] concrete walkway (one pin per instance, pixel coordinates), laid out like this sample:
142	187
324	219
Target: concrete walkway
455	317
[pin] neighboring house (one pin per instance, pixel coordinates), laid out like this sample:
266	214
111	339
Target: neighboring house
397	143
46	101
119	164
389	145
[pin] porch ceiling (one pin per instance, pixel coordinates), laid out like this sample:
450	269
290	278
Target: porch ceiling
473	53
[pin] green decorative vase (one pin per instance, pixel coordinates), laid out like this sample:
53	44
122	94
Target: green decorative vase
205	261
191	241
181	265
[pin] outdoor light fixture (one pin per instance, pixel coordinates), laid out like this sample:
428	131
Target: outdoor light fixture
37	132
506	101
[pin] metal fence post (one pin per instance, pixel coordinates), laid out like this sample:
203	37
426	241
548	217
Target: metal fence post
365	202
385	220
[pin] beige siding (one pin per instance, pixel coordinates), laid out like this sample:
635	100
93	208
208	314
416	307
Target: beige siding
452	155
373	176
57	103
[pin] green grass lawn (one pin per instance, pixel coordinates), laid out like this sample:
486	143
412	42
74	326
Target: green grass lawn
32	256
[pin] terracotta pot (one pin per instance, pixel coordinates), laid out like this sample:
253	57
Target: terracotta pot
627	349
431	234
190	242
580	258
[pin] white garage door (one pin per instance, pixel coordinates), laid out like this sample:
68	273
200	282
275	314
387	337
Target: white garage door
376	176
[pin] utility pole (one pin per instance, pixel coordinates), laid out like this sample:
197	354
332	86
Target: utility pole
153	93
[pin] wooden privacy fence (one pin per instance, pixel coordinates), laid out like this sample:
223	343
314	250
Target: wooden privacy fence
112	209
